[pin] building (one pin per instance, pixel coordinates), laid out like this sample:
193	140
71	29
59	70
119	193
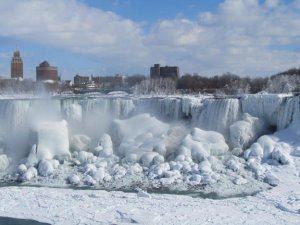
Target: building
46	72
16	66
80	81
164	72
116	81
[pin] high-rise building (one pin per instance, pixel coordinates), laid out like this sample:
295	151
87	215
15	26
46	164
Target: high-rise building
16	66
164	72
46	72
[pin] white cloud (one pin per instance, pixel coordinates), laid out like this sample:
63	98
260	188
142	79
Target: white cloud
242	36
73	26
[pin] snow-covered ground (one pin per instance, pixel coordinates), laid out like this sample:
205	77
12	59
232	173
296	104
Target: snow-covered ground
281	205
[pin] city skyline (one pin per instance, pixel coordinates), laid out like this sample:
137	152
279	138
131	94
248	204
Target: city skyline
246	37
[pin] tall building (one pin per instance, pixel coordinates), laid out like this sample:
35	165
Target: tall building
164	72
46	72
16	66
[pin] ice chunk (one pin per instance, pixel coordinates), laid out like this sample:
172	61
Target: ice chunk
147	158
29	174
244	132
271	179
80	142
202	144
89	168
86	157
233	164
106	146
53	140
143	194
269	147
88	180
205	167
73	179
22	169
138	134
46	167
99	174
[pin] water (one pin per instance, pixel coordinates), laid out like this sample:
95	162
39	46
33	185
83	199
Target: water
16	221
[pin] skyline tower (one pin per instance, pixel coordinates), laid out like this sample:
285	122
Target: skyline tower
16	65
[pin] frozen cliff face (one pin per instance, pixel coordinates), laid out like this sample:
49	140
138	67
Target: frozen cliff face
273	109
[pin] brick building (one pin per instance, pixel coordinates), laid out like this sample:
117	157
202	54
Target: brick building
46	72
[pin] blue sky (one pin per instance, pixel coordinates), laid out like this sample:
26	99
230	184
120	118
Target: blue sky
105	37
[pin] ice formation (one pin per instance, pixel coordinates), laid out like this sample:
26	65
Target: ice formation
52	141
172	142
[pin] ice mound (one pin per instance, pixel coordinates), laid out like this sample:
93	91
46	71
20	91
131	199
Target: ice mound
52	141
80	142
246	131
138	136
47	167
30	173
201	144
105	146
74	179
268	148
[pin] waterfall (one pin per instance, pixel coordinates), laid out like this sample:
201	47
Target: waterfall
93	115
219	114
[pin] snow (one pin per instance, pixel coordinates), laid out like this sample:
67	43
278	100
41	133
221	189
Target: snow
66	206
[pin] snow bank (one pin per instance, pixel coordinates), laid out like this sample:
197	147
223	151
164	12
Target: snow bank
53	141
246	131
